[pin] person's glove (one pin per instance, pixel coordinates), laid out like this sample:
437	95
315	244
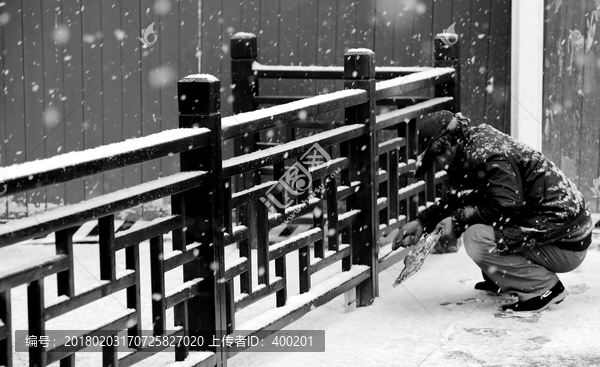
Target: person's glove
408	235
447	231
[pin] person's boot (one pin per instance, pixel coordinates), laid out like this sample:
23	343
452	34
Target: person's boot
553	296
487	285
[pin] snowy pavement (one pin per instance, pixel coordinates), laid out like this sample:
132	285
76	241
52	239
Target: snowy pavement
404	326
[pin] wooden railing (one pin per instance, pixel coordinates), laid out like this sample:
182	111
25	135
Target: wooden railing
370	178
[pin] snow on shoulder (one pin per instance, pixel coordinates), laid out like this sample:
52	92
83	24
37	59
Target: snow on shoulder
200	78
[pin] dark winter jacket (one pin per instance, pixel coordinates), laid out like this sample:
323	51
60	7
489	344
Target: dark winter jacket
496	180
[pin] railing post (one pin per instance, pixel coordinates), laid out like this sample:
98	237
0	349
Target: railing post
199	106
244	51
359	73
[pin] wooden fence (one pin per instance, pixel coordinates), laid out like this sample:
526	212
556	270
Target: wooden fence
372	182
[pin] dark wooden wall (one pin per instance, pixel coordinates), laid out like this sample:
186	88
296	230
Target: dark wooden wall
75	77
399	31
571	83
96	87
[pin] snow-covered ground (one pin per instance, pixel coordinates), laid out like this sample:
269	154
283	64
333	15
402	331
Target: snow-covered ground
403	327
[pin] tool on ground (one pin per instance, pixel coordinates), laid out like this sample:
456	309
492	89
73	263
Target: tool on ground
414	260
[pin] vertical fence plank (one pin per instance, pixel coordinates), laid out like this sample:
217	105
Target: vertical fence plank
201	108
403	34
308	25
384	32
33	61
232	23
573	85
111	90
326	43
590	129
72	89
150	84
498	83
269	46
65	280
359	72
92	86
478	52
461	15
53	31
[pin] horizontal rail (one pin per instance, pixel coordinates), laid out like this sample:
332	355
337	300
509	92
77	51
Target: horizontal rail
405	84
177	258
261	292
325	72
31	272
73	165
69	216
292	244
392	144
346	219
252	161
238	267
121	323
157	227
183	292
251	122
254	193
331	257
89	296
392	118
299	305
240	232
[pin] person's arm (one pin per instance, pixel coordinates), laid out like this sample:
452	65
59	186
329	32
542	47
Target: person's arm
501	201
441	209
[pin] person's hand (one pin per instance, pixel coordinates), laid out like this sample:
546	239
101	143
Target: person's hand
447	232
407	235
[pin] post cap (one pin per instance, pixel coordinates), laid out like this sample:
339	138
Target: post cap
244	45
199	93
359	63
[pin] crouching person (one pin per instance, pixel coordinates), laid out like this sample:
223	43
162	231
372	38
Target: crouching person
522	220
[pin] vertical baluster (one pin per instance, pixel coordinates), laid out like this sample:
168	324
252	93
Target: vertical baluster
332	215
65	280
345	180
384	191
182	350
157	276
37	325
393	185
6	318
260	236
108	271
281	294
